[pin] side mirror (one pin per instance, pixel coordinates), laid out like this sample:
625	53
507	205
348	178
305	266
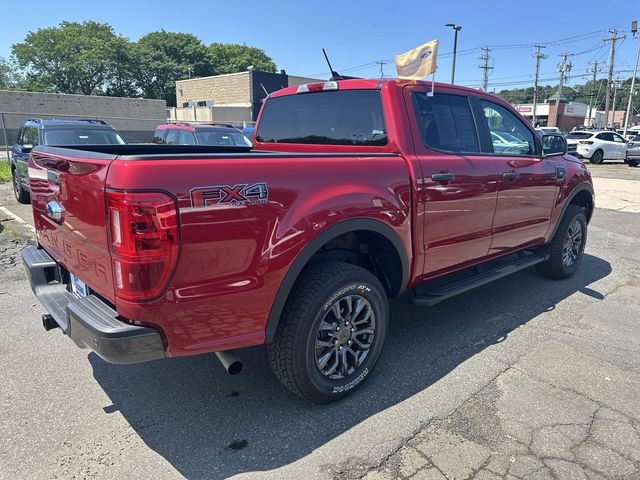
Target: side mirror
26	148
553	144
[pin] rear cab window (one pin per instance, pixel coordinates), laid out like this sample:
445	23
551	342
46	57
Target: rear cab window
445	122
341	117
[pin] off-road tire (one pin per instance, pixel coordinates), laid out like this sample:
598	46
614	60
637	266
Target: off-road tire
292	353
597	157
22	196
555	266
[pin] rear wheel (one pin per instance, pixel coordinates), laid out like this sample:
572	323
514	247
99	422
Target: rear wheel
632	163
567	246
331	332
22	196
597	157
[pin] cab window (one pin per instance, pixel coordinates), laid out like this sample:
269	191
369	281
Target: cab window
509	136
172	137
446	123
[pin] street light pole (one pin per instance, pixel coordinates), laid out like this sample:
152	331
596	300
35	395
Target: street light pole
456	29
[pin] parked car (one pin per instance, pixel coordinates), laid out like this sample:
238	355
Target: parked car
37	131
633	152
597	146
547	130
355	191
199	134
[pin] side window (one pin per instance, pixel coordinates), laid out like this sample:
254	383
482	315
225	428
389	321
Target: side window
186	138
158	136
30	136
446	122
509	135
606	136
20	135
172	137
617	138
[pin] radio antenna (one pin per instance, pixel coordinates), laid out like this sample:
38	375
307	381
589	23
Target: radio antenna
334	75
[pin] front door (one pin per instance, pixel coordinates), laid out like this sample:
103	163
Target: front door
527	183
459	185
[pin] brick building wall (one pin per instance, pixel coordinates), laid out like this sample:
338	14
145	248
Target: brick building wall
231	89
134	118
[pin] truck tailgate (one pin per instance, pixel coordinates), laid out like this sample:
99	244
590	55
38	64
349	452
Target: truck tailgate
70	215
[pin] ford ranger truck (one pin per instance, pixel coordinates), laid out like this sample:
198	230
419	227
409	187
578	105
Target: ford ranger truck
355	191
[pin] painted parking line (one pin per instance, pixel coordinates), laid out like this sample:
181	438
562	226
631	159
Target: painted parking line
15	217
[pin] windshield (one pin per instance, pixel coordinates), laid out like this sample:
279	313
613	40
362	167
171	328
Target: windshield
82	136
579	135
350	117
222	137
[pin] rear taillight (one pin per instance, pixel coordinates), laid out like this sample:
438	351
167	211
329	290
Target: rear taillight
586	142
144	242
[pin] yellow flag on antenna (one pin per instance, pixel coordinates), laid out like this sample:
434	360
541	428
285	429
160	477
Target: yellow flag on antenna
419	62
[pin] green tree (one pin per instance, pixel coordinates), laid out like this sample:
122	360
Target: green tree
164	57
233	57
70	58
121	81
9	76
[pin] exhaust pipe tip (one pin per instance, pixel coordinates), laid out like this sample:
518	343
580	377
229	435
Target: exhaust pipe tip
231	363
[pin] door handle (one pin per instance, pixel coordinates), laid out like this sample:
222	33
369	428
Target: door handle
510	175
442	177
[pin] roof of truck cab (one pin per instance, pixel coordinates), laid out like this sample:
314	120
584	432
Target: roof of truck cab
373	84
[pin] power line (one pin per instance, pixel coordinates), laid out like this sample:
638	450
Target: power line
595	71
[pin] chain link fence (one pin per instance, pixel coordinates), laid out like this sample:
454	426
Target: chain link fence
132	130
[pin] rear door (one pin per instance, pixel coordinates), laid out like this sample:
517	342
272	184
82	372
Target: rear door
609	148
527	182
459	183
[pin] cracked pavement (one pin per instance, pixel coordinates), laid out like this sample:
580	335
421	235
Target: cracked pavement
525	378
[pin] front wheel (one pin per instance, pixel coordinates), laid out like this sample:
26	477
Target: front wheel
567	246
331	332
22	196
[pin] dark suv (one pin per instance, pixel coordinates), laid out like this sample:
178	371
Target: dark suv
200	134
36	131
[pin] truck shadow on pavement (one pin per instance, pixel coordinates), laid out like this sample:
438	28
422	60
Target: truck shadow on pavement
210	425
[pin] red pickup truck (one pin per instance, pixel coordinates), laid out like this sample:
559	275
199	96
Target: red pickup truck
355	191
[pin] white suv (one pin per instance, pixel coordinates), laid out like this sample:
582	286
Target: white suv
597	146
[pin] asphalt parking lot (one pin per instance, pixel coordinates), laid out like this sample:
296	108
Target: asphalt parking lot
525	378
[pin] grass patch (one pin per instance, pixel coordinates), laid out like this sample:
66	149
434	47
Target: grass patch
5	171
10	232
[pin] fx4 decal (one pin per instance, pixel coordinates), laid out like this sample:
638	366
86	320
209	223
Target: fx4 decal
241	194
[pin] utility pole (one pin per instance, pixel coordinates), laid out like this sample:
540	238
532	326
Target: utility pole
539	56
634	30
612	56
382	63
616	85
485	66
595	71
563	68
456	29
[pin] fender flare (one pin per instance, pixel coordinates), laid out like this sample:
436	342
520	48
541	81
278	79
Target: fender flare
581	187
314	245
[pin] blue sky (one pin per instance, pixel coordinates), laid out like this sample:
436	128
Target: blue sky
357	33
